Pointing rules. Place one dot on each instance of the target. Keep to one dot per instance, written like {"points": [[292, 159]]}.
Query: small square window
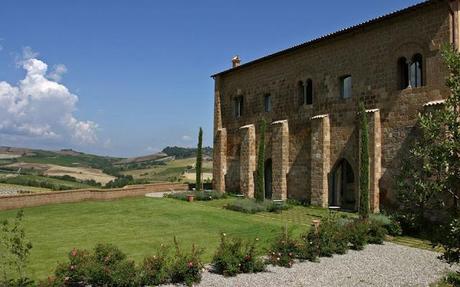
{"points": [[267, 103], [345, 87], [238, 106]]}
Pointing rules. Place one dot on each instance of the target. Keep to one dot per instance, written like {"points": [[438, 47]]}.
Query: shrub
{"points": [[154, 270], [449, 239], [199, 195], [252, 206], [391, 225], [284, 250], [106, 266], [375, 232], [330, 238], [186, 267], [357, 234], [453, 278], [233, 256], [14, 252]]}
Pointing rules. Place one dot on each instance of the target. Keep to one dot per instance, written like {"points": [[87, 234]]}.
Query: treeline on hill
{"points": [[185, 152]]}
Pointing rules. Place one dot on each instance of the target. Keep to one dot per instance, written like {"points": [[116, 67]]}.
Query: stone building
{"points": [[308, 95]]}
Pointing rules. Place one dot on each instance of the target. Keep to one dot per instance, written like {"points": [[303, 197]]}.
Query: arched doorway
{"points": [[342, 192], [268, 179]]}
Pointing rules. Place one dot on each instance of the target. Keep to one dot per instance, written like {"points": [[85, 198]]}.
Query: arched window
{"points": [[403, 72], [309, 92], [416, 71], [301, 93]]}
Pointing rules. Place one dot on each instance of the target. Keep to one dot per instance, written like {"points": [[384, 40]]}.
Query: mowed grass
{"points": [[138, 226]]}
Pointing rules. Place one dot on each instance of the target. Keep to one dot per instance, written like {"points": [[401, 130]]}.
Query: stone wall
{"points": [[370, 55], [44, 198]]}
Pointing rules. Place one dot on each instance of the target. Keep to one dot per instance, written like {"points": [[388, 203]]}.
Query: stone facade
{"points": [[394, 65]]}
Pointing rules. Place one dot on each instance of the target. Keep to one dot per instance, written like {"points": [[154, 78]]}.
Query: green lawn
{"points": [[140, 225]]}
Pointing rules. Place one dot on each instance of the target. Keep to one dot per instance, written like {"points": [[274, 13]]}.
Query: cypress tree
{"points": [[260, 181], [364, 163], [199, 160]]}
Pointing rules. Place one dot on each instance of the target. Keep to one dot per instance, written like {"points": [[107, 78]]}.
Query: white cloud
{"points": [[28, 53], [57, 72], [39, 108], [186, 138]]}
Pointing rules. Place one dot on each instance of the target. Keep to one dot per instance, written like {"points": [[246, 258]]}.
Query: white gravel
{"points": [[377, 265]]}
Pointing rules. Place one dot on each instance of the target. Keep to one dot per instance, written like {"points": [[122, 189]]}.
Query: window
{"points": [[309, 92], [416, 75], [403, 71], [267, 103], [345, 87], [238, 106], [301, 93]]}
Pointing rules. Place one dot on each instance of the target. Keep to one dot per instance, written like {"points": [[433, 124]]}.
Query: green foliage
{"points": [[124, 180], [199, 161], [14, 252], [41, 182], [252, 206], [234, 256], [330, 238], [364, 163], [430, 177], [357, 234], [376, 232], [154, 270], [198, 195], [284, 250], [186, 267], [391, 225], [184, 152], [105, 266], [260, 172], [453, 278], [449, 238]]}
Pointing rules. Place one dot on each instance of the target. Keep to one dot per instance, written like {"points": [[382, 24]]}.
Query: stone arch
{"points": [[342, 191]]}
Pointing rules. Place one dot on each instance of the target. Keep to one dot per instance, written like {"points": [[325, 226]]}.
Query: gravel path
{"points": [[377, 265]]}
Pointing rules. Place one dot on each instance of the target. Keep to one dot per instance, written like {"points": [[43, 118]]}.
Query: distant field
{"points": [[5, 187], [14, 179], [80, 173], [172, 171], [9, 156]]}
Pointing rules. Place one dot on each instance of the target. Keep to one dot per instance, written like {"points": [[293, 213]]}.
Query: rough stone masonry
{"points": [[310, 93]]}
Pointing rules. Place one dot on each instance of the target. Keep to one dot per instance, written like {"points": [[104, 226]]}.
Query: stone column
{"points": [[247, 160], [375, 162], [280, 159], [219, 160], [220, 142], [320, 160]]}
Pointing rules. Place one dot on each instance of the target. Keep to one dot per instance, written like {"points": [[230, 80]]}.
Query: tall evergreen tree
{"points": [[364, 163], [260, 173], [199, 160]]}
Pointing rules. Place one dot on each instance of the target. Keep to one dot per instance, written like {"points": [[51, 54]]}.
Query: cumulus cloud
{"points": [[186, 138], [57, 72], [39, 107]]}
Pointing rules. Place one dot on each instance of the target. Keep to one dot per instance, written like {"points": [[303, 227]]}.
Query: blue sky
{"points": [[140, 69]]}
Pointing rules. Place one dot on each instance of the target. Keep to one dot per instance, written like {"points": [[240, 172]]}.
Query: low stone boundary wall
{"points": [[43, 198]]}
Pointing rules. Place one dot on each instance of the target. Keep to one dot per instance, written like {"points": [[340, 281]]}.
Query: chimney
{"points": [[236, 61]]}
